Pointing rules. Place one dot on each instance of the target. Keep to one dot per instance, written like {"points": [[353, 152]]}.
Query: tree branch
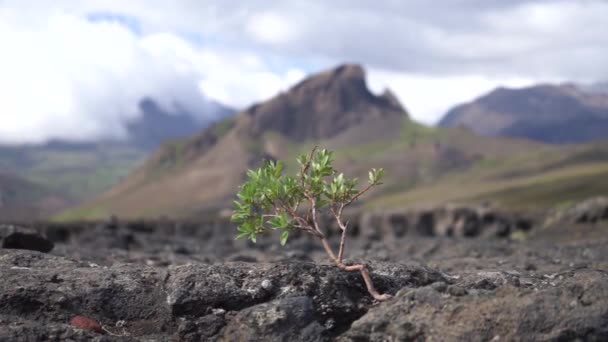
{"points": [[342, 243], [338, 217], [356, 197]]}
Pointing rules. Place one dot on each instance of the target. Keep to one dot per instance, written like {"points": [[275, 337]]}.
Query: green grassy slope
{"points": [[77, 173], [531, 179], [425, 166], [23, 200], [429, 166], [83, 175]]}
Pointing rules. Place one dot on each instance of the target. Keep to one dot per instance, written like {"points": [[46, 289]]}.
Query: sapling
{"points": [[270, 200]]}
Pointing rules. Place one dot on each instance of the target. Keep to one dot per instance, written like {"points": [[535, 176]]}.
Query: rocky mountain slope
{"points": [[335, 109], [564, 113]]}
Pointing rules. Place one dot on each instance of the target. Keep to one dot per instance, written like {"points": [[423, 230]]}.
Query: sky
{"points": [[77, 69]]}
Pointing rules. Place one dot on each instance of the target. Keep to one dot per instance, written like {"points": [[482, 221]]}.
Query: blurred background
{"points": [[149, 109]]}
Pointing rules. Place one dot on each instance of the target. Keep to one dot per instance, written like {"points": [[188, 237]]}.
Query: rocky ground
{"points": [[457, 274]]}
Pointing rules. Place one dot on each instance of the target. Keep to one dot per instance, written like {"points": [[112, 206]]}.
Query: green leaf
{"points": [[279, 222], [278, 169], [321, 203], [375, 176], [238, 217], [242, 235], [302, 159], [284, 236], [334, 188]]}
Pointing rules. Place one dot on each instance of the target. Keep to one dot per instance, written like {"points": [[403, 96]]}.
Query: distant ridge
{"points": [[157, 125], [558, 114]]}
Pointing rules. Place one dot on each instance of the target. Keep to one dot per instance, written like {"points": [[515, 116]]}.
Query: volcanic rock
{"points": [[16, 237], [50, 291], [573, 306]]}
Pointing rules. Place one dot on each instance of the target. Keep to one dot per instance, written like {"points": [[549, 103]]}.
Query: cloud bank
{"points": [[72, 78], [77, 69]]}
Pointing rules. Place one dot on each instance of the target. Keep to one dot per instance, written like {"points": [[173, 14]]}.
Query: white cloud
{"points": [[70, 78], [429, 98], [64, 76], [248, 88], [515, 38], [270, 27], [536, 39]]}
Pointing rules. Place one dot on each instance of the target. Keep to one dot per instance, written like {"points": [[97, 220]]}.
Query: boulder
{"points": [[15, 237], [289, 319], [590, 211], [494, 306]]}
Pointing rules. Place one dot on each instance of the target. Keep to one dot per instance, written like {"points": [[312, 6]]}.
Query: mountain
{"points": [[564, 113], [204, 171], [157, 125], [334, 109], [322, 106], [82, 170], [595, 88]]}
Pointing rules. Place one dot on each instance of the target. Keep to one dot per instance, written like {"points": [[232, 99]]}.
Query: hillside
{"points": [[538, 178], [564, 113], [23, 200], [203, 172], [336, 110], [84, 170], [77, 170]]}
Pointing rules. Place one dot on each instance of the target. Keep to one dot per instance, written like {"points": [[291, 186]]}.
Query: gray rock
{"points": [[191, 302], [590, 211], [200, 329], [288, 319], [510, 312], [129, 278], [16, 329], [15, 237]]}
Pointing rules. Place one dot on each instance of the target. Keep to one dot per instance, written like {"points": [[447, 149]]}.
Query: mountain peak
{"points": [[322, 105], [343, 76], [350, 72]]}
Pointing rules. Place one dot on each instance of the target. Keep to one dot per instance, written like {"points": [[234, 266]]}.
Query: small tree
{"points": [[270, 200]]}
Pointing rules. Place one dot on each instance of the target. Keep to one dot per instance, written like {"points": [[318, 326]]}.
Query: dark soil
{"points": [[500, 277]]}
